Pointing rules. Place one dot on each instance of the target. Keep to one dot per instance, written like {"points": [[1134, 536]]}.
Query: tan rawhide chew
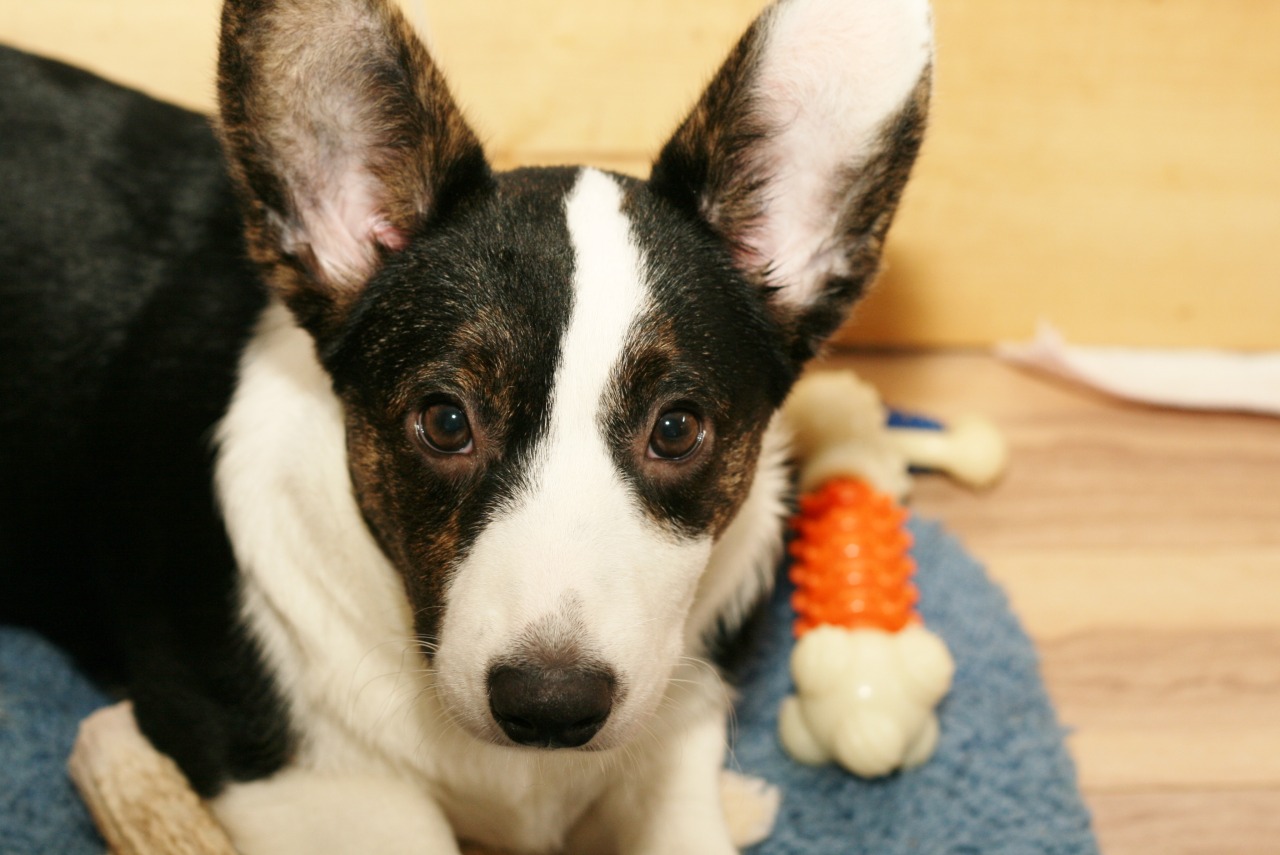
{"points": [[139, 799], [143, 805]]}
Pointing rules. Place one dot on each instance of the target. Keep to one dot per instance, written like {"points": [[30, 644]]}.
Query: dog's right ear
{"points": [[343, 138]]}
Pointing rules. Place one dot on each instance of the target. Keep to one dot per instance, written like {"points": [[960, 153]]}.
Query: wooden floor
{"points": [[1141, 549]]}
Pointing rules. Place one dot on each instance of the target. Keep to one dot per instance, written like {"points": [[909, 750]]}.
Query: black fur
{"points": [[126, 299], [736, 649], [474, 311]]}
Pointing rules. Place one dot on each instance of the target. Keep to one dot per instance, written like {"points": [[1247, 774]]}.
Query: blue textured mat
{"points": [[42, 700], [1001, 782]]}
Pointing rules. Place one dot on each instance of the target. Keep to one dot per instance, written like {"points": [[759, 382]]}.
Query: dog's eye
{"points": [[676, 435], [443, 427]]}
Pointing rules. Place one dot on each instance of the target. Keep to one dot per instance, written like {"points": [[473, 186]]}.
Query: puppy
{"points": [[408, 500]]}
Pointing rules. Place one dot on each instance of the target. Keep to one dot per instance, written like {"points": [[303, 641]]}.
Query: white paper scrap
{"points": [[1200, 379]]}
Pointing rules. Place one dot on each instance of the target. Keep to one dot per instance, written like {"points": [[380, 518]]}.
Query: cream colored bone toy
{"points": [[868, 674]]}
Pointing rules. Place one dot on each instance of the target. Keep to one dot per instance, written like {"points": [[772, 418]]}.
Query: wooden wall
{"points": [[1110, 165]]}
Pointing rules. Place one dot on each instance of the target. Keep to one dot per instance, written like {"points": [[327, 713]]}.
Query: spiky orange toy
{"points": [[852, 566]]}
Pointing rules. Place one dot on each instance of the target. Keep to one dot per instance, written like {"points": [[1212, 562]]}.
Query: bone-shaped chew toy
{"points": [[139, 799], [868, 674], [969, 449]]}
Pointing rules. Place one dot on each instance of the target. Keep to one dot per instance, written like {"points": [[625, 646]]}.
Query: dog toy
{"points": [[868, 674], [970, 448], [138, 797]]}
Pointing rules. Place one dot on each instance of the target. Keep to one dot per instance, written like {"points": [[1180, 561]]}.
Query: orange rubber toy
{"points": [[851, 563]]}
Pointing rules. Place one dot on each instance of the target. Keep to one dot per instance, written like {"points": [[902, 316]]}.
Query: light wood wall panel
{"points": [[1110, 165], [165, 47]]}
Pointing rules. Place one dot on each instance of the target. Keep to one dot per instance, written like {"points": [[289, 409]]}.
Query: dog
{"points": [[410, 501]]}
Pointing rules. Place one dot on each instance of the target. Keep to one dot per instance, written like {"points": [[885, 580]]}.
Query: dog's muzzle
{"points": [[551, 706]]}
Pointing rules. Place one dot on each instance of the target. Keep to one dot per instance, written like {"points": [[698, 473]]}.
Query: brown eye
{"points": [[676, 435], [443, 427]]}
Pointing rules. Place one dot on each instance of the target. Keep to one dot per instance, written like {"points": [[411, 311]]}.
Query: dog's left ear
{"points": [[797, 153], [343, 138]]}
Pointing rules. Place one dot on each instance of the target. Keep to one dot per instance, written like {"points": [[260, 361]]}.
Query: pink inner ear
{"points": [[389, 236], [831, 73], [342, 224]]}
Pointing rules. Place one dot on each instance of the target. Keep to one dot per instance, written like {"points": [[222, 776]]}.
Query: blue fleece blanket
{"points": [[1001, 782]]}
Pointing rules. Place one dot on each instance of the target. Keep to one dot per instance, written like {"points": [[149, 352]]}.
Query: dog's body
{"points": [[494, 457]]}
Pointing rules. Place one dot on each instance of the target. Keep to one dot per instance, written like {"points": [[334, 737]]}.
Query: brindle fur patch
{"points": [[709, 166], [315, 97]]}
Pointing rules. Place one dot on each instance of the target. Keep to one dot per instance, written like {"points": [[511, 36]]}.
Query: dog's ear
{"points": [[797, 153], [343, 138]]}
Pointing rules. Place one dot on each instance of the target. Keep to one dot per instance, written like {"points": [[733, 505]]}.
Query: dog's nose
{"points": [[550, 707]]}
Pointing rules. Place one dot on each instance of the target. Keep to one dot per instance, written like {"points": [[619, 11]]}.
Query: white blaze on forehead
{"points": [[574, 468], [577, 514], [608, 294]]}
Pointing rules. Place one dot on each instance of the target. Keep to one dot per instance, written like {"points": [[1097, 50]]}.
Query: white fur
{"points": [[301, 811], [832, 72], [334, 624], [578, 539]]}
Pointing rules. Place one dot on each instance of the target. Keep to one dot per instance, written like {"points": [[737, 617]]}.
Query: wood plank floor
{"points": [[1141, 548]]}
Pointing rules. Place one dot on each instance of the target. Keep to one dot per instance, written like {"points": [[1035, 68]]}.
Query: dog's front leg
{"points": [[301, 812], [670, 804]]}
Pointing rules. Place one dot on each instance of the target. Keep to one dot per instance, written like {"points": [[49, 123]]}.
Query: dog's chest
{"points": [[523, 801], [514, 799]]}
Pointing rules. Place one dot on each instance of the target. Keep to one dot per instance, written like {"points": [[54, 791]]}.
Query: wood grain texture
{"points": [[1141, 549], [1106, 164], [1176, 708], [1213, 822]]}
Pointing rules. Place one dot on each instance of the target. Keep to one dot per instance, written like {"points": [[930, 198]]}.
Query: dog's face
{"points": [[556, 381], [555, 400]]}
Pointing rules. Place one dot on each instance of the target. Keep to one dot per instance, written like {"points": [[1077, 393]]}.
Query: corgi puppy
{"points": [[409, 500]]}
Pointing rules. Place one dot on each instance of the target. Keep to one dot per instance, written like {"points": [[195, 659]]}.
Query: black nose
{"points": [[550, 707]]}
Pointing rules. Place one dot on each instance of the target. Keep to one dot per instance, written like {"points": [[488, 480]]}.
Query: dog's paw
{"points": [[750, 807], [302, 813]]}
